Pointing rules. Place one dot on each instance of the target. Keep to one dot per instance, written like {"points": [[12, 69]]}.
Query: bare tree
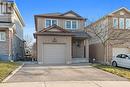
{"points": [[29, 42], [106, 34]]}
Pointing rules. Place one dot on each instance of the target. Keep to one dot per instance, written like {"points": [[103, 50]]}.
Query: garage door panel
{"points": [[54, 53], [117, 51]]}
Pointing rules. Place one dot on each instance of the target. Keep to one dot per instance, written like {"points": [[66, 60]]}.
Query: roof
{"points": [[122, 8], [57, 32], [80, 33], [51, 14], [56, 27], [110, 14], [72, 12], [62, 32], [62, 15]]}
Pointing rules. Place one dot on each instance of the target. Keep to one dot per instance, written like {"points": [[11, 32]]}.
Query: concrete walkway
{"points": [[69, 84]]}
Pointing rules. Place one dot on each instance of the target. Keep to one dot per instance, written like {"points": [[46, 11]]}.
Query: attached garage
{"points": [[54, 53], [117, 51]]}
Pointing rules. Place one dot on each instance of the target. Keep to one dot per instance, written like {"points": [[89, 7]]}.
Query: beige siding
{"points": [[96, 51]]}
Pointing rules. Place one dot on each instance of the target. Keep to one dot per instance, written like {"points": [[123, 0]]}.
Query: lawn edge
{"points": [[110, 72], [13, 73]]}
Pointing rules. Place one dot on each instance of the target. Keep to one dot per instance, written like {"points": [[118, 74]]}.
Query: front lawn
{"points": [[115, 70], [6, 68]]}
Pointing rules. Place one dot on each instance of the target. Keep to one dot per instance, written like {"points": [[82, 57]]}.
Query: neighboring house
{"points": [[119, 22], [60, 38], [11, 31]]}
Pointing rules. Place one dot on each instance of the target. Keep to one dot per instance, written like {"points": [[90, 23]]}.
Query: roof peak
{"points": [[72, 12], [121, 8]]}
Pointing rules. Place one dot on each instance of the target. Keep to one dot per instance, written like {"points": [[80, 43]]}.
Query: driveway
{"points": [[81, 72]]}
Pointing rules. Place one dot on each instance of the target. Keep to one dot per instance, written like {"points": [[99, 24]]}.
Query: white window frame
{"points": [[126, 23], [71, 24], [120, 23], [4, 8], [4, 35], [66, 24], [115, 27], [51, 21]]}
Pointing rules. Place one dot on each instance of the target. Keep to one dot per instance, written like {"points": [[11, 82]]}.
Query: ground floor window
{"points": [[2, 36]]}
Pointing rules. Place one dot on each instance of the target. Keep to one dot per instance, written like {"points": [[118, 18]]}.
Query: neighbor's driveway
{"points": [[38, 73]]}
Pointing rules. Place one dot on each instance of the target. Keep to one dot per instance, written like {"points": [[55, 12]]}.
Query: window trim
{"points": [[123, 23], [115, 27], [51, 21], [5, 36], [71, 21], [126, 23]]}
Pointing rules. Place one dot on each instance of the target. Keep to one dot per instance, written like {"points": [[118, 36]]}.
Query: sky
{"points": [[90, 9]]}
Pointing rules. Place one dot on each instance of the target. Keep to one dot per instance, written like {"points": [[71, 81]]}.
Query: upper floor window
{"points": [[2, 36], [127, 23], [115, 23], [68, 24], [50, 22], [3, 8], [71, 24], [121, 23]]}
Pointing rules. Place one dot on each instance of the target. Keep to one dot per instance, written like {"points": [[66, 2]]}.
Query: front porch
{"points": [[80, 49]]}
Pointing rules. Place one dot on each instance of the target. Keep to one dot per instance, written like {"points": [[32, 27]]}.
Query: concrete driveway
{"points": [[81, 72]]}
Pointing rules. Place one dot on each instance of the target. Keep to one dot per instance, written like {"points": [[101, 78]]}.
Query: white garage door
{"points": [[117, 51], [54, 53]]}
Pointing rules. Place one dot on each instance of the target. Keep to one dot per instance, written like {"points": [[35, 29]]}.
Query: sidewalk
{"points": [[69, 84]]}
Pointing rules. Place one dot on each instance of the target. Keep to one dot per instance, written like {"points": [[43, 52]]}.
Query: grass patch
{"points": [[114, 70], [6, 68]]}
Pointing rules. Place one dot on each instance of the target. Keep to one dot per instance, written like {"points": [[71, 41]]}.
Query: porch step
{"points": [[80, 60]]}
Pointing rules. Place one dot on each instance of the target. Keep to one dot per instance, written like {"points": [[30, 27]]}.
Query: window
{"points": [[68, 24], [2, 36], [118, 56], [115, 23], [71, 24], [121, 20], [127, 23], [124, 56], [50, 22], [3, 8], [74, 24], [54, 22]]}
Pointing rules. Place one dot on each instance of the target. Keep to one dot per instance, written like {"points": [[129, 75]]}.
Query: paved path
{"points": [[69, 84]]}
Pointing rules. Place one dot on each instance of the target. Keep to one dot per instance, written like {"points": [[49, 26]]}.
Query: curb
{"points": [[12, 73]]}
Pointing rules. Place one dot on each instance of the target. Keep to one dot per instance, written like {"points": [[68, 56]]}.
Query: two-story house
{"points": [[11, 31], [117, 26], [60, 38]]}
